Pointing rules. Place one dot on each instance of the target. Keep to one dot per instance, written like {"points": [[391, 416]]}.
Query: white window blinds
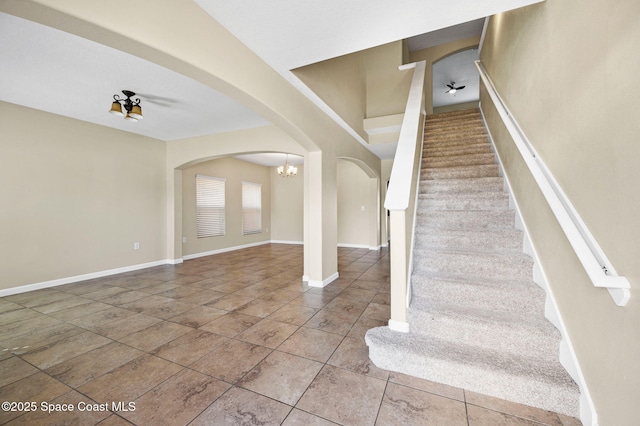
{"points": [[251, 208], [209, 206]]}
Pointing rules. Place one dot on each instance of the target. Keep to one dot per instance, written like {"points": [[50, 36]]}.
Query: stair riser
{"points": [[511, 297], [453, 115], [470, 242], [465, 219], [508, 338], [478, 159], [454, 130], [454, 141], [443, 152], [461, 264], [490, 185], [488, 170], [458, 203]]}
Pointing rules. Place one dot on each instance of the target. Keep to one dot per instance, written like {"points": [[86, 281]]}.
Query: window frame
{"points": [[210, 223]]}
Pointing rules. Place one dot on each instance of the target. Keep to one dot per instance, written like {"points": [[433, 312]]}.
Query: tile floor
{"points": [[234, 338]]}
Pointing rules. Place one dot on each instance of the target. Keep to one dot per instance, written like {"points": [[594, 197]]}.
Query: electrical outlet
{"points": [[136, 246], [184, 240]]}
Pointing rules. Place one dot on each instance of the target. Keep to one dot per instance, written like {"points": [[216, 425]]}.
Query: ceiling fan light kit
{"points": [[131, 106], [453, 89]]}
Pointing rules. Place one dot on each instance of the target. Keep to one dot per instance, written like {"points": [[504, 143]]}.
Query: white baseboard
{"points": [[224, 250], [286, 242], [78, 278], [347, 245], [400, 326], [323, 283]]}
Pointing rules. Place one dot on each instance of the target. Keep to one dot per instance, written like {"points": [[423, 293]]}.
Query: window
{"points": [[209, 206], [251, 208]]}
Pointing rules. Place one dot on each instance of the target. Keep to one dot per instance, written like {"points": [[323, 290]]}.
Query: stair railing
{"points": [[593, 259], [402, 195]]}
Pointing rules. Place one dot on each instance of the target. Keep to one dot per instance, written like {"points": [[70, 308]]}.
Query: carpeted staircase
{"points": [[476, 317]]}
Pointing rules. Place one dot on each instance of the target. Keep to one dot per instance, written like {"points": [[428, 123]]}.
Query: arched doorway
{"points": [[455, 81]]}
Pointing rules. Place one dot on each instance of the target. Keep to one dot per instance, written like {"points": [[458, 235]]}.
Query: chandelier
{"points": [[132, 107], [287, 170]]}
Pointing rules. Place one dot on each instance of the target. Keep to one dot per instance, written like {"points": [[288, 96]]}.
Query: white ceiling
{"points": [[446, 35], [50, 70], [54, 71], [458, 68], [289, 34]]}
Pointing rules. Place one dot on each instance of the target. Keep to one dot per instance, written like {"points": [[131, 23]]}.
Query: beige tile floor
{"points": [[234, 338]]}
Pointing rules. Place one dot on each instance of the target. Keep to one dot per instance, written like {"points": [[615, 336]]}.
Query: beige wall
{"points": [[287, 207], [76, 197], [455, 107], [434, 54], [564, 69], [340, 83], [387, 87], [235, 172], [353, 196], [205, 51]]}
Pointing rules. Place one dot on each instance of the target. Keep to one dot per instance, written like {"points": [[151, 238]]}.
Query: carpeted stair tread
{"points": [[476, 317], [518, 378]]}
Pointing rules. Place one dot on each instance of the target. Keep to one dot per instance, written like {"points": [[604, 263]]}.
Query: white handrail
{"points": [[398, 194], [401, 197], [593, 259]]}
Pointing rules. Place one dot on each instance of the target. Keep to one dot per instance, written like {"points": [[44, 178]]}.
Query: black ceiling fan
{"points": [[452, 87]]}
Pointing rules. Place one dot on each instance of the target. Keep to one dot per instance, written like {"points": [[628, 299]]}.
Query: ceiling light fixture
{"points": [[287, 170], [453, 89], [132, 107]]}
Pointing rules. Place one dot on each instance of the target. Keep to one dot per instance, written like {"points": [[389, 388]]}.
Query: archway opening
{"points": [[455, 81]]}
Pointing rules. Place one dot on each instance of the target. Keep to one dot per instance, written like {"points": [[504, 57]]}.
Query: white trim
{"points": [[305, 278], [286, 242], [323, 283], [78, 278], [399, 189], [566, 354], [224, 250], [402, 327], [484, 32], [347, 245]]}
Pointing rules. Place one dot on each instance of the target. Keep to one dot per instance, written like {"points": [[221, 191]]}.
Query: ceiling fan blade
{"points": [[448, 91], [460, 88], [450, 86]]}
